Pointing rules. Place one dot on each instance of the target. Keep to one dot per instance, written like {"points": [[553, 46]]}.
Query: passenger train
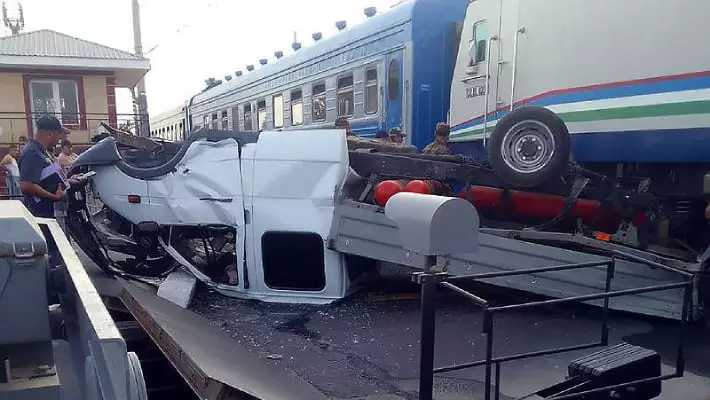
{"points": [[169, 125], [392, 70]]}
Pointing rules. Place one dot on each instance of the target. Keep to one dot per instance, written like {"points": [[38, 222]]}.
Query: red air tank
{"points": [[386, 189], [419, 186], [536, 205]]}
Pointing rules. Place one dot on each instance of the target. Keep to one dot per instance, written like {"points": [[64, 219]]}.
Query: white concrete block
{"points": [[178, 288]]}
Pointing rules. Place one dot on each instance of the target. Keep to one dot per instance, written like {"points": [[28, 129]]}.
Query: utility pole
{"points": [[15, 25], [142, 123]]}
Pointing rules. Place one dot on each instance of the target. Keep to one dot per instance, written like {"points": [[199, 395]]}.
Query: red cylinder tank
{"points": [[419, 186], [536, 205], [386, 189]]}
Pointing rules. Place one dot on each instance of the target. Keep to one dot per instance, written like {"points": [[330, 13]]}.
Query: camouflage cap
{"points": [[397, 131]]}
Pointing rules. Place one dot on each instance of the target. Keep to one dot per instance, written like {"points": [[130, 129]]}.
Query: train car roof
{"points": [[399, 14], [169, 113]]}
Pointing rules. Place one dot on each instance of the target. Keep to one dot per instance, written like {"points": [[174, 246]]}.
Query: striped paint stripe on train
{"points": [[642, 101]]}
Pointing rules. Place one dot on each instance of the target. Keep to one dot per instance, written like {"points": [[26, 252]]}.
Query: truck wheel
{"points": [[529, 146]]}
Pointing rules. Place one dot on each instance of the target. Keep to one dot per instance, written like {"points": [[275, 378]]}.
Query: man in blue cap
{"points": [[382, 136], [41, 180]]}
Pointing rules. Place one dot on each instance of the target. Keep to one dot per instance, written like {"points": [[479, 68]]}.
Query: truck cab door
{"points": [[475, 86], [205, 189]]}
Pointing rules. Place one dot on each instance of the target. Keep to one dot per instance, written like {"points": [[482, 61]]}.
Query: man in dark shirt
{"points": [[39, 182]]}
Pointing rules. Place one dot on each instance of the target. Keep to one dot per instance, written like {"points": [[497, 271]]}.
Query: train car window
{"points": [[225, 120], [478, 44], [318, 111], [296, 108], [261, 114], [247, 117], [278, 103], [371, 96], [393, 80], [346, 96]]}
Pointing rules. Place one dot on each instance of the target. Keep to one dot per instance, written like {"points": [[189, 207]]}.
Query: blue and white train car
{"points": [[169, 125], [393, 70]]}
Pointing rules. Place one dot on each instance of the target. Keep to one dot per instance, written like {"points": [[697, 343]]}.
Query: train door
{"points": [[393, 89]]}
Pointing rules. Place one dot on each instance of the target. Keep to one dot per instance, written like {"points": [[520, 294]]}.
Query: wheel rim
{"points": [[528, 147]]}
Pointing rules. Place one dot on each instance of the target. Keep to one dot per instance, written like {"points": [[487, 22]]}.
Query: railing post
{"points": [[428, 281], [610, 271], [488, 330], [685, 316]]}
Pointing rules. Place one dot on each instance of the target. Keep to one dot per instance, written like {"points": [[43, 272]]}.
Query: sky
{"points": [[188, 41]]}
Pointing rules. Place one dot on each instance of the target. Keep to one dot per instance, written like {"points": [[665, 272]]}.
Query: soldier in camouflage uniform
{"points": [[397, 136], [439, 146]]}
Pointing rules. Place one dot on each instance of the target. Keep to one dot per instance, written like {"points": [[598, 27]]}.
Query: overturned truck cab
{"points": [[299, 217], [247, 214]]}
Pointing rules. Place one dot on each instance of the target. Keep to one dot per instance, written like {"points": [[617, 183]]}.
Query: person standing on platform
{"points": [[22, 140], [9, 162], [41, 181], [67, 157]]}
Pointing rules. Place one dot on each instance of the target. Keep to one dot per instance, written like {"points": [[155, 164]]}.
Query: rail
{"points": [[430, 280]]}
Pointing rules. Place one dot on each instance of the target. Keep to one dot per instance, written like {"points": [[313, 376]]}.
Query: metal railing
{"points": [[14, 128], [430, 280], [15, 124]]}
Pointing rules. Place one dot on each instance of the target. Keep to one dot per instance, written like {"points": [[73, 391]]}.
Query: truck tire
{"points": [[529, 147]]}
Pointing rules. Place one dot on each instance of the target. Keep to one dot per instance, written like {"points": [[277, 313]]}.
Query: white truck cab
{"points": [[630, 80]]}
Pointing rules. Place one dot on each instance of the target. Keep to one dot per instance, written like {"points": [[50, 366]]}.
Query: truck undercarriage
{"points": [[580, 216]]}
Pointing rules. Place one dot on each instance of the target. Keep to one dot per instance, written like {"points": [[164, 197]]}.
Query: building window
{"points": [[371, 95], [247, 117], [318, 111], [296, 108], [278, 103], [393, 81], [346, 96], [261, 114], [57, 97], [479, 42], [207, 121], [213, 125], [225, 120]]}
